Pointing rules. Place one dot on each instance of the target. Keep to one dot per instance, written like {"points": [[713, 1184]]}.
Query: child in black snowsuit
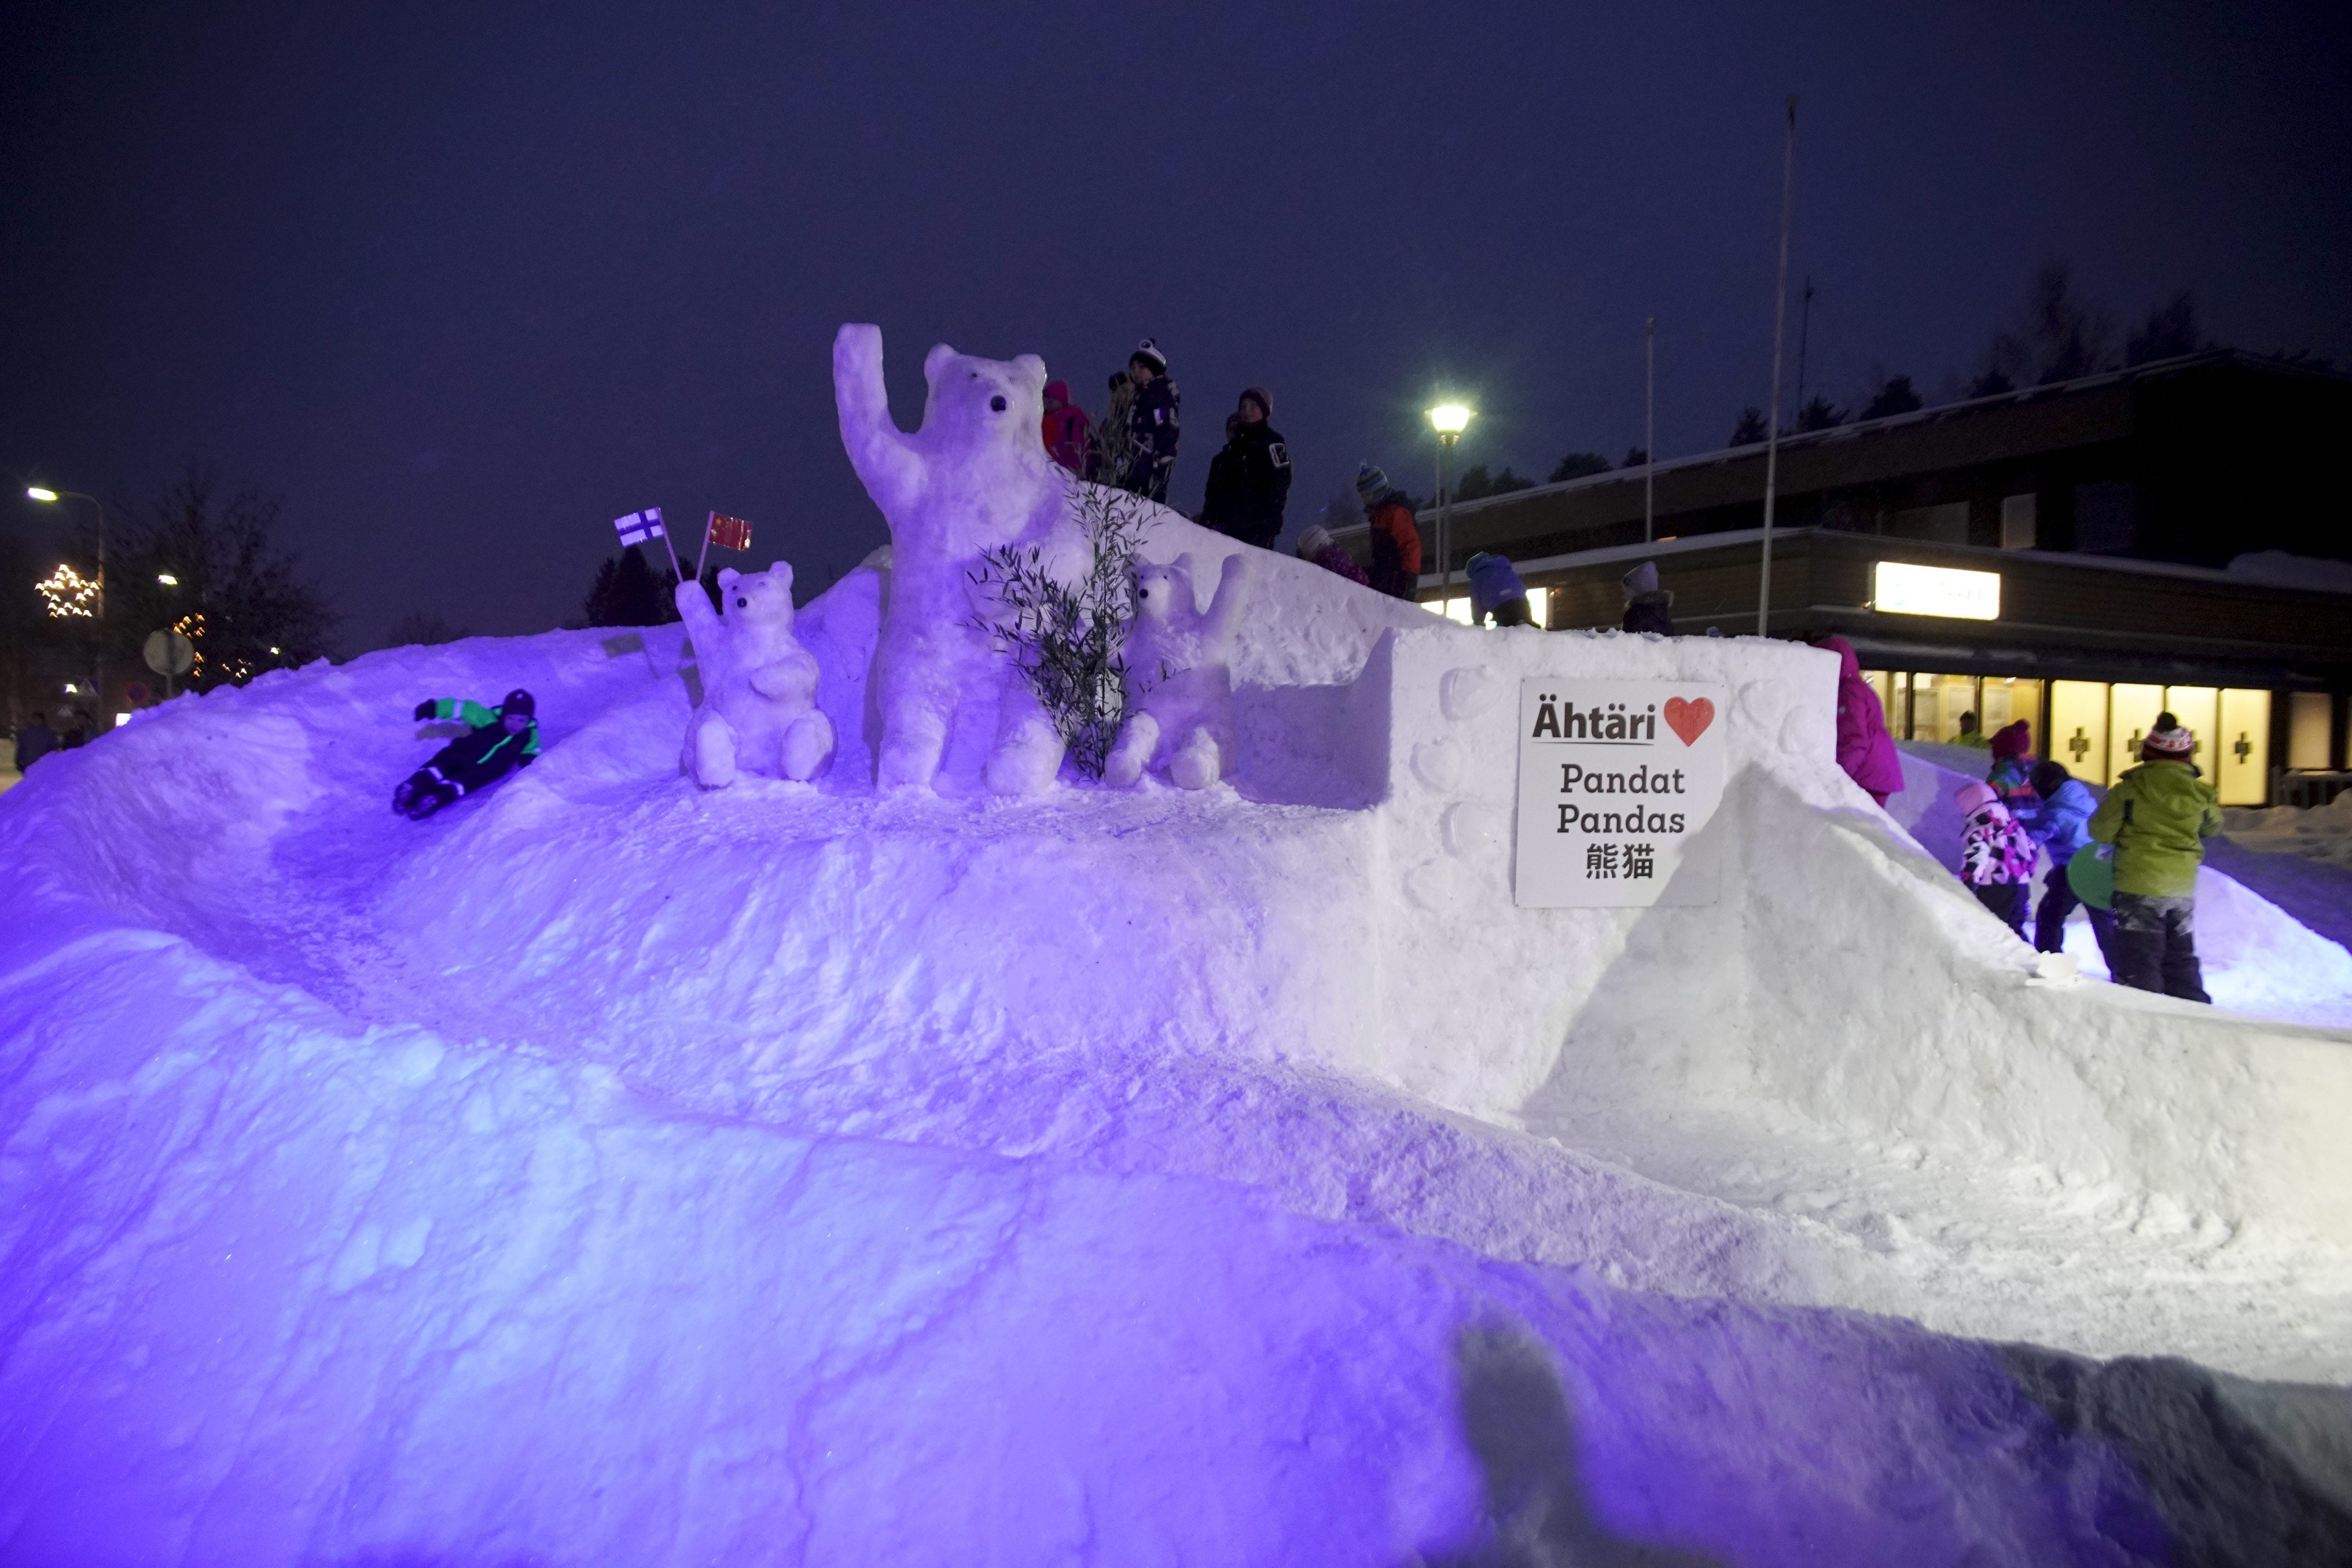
{"points": [[502, 739]]}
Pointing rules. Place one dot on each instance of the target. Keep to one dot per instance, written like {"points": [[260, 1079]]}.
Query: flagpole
{"points": [[1650, 432], [1780, 332], [703, 556], [675, 568]]}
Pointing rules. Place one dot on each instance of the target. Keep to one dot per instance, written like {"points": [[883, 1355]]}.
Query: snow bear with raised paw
{"points": [[759, 712], [975, 477], [1180, 680]]}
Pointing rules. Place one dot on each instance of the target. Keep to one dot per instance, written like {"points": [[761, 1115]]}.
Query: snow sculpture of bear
{"points": [[1180, 682], [759, 710], [975, 477]]}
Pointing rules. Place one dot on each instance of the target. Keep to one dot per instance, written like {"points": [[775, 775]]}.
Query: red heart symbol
{"points": [[1690, 719]]}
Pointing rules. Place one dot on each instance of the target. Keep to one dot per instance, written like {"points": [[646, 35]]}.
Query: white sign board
{"points": [[1899, 588], [1618, 782]]}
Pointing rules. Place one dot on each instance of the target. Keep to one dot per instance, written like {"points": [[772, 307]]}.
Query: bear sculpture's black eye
{"points": [[997, 403]]}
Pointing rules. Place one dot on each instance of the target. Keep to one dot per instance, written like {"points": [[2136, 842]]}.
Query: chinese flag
{"points": [[729, 533]]}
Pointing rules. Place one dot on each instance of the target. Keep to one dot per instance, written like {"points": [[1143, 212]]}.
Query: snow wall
{"points": [[609, 1173], [1365, 923]]}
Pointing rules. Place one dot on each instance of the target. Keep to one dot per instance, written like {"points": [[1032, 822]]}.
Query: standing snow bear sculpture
{"points": [[759, 712], [975, 478], [1180, 680]]}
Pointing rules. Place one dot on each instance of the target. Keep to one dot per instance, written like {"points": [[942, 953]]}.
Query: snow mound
{"points": [[608, 1171]]}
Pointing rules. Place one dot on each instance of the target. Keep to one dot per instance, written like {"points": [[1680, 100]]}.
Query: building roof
{"points": [[1940, 414]]}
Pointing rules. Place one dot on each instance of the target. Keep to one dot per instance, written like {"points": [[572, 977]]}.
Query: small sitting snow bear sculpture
{"points": [[1180, 682], [759, 710], [975, 477]]}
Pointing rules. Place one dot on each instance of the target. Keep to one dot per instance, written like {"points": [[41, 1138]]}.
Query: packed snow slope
{"points": [[609, 1172]]}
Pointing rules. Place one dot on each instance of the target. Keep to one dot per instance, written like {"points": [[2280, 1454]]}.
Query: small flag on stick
{"points": [[640, 526], [729, 533]]}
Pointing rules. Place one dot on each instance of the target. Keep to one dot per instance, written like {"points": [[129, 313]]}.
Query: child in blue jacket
{"points": [[2060, 820]]}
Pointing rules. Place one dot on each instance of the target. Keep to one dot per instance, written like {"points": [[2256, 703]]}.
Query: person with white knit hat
{"points": [[1151, 423], [2158, 815]]}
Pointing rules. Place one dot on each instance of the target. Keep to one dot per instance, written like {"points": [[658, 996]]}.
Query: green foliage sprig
{"points": [[1069, 638]]}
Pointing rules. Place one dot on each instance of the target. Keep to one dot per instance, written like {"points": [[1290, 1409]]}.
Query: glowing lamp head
{"points": [[38, 492], [167, 579], [1450, 419]]}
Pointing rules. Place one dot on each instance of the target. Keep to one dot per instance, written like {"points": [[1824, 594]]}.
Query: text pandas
{"points": [[1640, 819]]}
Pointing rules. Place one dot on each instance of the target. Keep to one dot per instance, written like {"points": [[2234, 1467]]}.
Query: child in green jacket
{"points": [[496, 742], [2158, 816]]}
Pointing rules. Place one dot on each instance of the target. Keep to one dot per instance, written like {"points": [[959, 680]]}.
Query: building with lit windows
{"points": [[2081, 555]]}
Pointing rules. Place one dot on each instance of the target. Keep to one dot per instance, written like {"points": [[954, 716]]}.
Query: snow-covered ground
{"points": [[2322, 833], [606, 1171]]}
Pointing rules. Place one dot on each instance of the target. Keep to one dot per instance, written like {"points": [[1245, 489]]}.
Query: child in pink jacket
{"points": [[1997, 855]]}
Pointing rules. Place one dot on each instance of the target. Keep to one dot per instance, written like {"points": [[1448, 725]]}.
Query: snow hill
{"points": [[606, 1171]]}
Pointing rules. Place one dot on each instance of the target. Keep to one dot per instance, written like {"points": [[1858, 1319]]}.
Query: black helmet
{"points": [[517, 701]]}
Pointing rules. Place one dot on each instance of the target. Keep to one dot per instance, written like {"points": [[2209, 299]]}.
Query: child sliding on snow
{"points": [[1996, 855], [502, 740]]}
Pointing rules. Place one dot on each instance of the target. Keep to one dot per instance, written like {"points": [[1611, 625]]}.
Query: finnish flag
{"points": [[640, 526]]}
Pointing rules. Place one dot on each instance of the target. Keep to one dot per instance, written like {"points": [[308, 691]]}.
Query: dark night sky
{"points": [[463, 283]]}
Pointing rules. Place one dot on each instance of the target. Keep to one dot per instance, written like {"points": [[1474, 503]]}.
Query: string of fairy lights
{"points": [[69, 594]]}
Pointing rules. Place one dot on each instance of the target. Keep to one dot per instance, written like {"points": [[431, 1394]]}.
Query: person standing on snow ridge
{"points": [[1648, 608], [2060, 820], [34, 741], [2011, 776], [1067, 430], [1108, 458], [1249, 481], [1396, 540], [1864, 750], [1152, 425], [1318, 545], [2158, 815], [1495, 590], [1996, 855], [502, 740]]}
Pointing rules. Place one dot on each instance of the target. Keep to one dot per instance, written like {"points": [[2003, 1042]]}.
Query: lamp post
{"points": [[1449, 420], [48, 497]]}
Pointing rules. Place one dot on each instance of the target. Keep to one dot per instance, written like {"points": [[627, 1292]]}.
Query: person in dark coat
{"points": [[1068, 432], [1396, 538], [1249, 481], [34, 741], [1648, 608], [1864, 750], [499, 740], [1318, 545], [1152, 420]]}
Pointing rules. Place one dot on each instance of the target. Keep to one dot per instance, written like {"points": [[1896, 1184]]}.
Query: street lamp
{"points": [[48, 497], [1449, 420], [167, 579]]}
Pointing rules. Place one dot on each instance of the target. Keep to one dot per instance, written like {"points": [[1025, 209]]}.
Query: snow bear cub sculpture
{"points": [[1179, 682], [975, 477], [759, 712]]}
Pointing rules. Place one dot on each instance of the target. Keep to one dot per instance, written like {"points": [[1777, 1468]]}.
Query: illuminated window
{"points": [[2242, 752], [2078, 728]]}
